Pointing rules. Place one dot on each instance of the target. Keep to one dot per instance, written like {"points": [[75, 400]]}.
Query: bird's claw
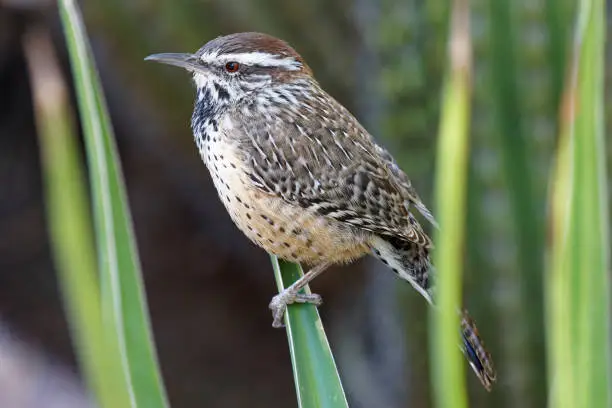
{"points": [[279, 303]]}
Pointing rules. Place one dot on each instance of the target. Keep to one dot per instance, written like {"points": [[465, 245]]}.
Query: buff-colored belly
{"points": [[285, 230], [296, 234]]}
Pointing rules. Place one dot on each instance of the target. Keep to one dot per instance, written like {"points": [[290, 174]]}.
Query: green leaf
{"points": [[578, 298], [70, 226], [525, 203], [317, 382], [123, 300], [448, 374]]}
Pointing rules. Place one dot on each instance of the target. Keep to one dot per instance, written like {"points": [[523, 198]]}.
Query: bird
{"points": [[301, 177]]}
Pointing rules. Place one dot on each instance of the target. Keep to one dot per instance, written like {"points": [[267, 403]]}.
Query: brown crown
{"points": [[253, 42]]}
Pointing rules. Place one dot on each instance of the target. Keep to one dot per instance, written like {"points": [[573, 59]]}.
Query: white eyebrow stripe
{"points": [[254, 58]]}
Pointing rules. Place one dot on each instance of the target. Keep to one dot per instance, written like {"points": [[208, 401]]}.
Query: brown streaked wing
{"points": [[324, 160]]}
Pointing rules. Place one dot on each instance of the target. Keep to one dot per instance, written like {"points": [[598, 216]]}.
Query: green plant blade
{"points": [[590, 211], [558, 18], [70, 226], [317, 382], [558, 280], [527, 222], [448, 376], [123, 300], [578, 303]]}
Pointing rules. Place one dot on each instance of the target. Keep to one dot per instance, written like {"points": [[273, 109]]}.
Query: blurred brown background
{"points": [[208, 287]]}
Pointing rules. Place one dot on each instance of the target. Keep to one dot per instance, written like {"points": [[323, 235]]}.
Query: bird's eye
{"points": [[232, 66]]}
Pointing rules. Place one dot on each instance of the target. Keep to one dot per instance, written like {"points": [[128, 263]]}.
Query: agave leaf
{"points": [[317, 382], [122, 293]]}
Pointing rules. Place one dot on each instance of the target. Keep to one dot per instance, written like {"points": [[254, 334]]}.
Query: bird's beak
{"points": [[187, 61]]}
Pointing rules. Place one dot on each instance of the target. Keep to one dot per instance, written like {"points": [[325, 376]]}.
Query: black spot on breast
{"points": [[249, 217], [204, 109], [265, 218], [287, 245], [223, 95]]}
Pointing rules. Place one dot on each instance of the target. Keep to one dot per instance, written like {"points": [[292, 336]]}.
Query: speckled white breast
{"points": [[288, 231]]}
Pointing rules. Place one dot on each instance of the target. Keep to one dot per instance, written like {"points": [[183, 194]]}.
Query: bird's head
{"points": [[236, 67]]}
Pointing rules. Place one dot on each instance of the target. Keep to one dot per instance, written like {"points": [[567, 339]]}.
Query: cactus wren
{"points": [[300, 176]]}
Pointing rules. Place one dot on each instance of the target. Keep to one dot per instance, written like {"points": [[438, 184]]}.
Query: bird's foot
{"points": [[279, 303]]}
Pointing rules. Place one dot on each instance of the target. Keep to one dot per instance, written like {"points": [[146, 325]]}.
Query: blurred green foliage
{"points": [[578, 281], [69, 221], [521, 49], [448, 379], [119, 318]]}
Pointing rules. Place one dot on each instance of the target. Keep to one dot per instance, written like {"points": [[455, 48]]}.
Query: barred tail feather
{"points": [[474, 350], [411, 262]]}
